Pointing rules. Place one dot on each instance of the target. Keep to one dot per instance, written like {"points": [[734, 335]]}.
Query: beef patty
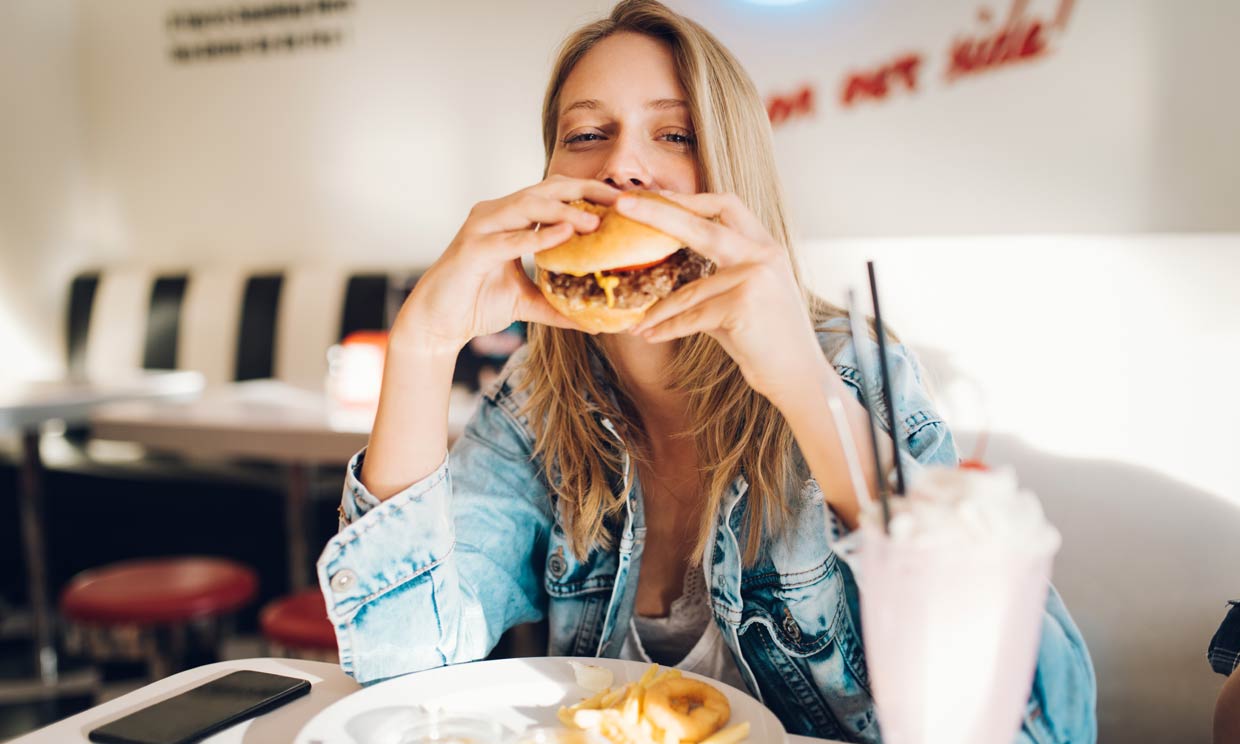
{"points": [[637, 287]]}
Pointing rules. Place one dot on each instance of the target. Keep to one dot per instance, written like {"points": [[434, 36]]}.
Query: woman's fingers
{"points": [[527, 210], [505, 246], [543, 203], [691, 294], [729, 208], [709, 316], [565, 189], [532, 307], [723, 245], [525, 242], [538, 310]]}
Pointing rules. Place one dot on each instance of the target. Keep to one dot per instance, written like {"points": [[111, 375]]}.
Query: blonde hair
{"points": [[735, 430]]}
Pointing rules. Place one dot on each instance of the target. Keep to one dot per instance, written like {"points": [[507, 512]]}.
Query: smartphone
{"points": [[196, 714]]}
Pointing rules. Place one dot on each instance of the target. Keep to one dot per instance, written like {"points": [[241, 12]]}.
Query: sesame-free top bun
{"points": [[618, 241]]}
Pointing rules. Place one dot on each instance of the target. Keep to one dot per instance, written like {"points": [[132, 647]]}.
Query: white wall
{"points": [[41, 180], [376, 148], [1127, 125], [380, 145], [1106, 347]]}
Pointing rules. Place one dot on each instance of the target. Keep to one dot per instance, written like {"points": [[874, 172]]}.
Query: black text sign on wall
{"points": [[230, 30]]}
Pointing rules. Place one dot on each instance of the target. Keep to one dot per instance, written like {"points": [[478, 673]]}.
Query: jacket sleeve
{"points": [[924, 438], [435, 574], [1064, 701]]}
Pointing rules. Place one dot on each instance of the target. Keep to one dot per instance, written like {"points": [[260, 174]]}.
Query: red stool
{"points": [[297, 626], [155, 609]]}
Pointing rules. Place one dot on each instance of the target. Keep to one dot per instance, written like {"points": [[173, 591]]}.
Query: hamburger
{"points": [[605, 280]]}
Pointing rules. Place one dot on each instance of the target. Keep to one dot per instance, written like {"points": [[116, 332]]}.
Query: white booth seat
{"points": [[210, 315], [118, 322], [309, 322], [1146, 568]]}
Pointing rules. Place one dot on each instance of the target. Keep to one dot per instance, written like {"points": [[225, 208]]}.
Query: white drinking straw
{"points": [[856, 322], [851, 456]]}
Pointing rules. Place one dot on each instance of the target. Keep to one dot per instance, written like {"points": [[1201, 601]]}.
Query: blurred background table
{"points": [[24, 408], [265, 420]]}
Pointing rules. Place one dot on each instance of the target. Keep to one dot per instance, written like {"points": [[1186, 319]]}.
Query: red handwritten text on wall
{"points": [[875, 84], [1022, 36], [781, 108]]}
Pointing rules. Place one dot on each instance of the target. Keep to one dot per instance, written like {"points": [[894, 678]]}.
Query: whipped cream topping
{"points": [[952, 505]]}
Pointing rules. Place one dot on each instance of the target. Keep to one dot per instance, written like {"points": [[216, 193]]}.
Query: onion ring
{"points": [[686, 708]]}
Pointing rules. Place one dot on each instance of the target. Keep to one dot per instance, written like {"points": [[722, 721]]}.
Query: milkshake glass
{"points": [[952, 600]]}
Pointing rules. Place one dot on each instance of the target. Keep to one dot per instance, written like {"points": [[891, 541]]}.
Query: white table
{"points": [[328, 684], [24, 408], [26, 405], [259, 419]]}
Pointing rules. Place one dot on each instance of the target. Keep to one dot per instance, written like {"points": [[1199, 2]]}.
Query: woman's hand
{"points": [[751, 305], [754, 309], [478, 285]]}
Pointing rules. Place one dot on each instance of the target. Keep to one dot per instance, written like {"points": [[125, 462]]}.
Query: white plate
{"points": [[516, 692]]}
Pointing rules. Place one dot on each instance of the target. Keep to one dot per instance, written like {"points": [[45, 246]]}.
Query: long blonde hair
{"points": [[736, 431]]}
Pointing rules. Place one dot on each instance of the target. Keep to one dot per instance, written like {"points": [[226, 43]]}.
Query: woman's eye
{"points": [[679, 139], [583, 137]]}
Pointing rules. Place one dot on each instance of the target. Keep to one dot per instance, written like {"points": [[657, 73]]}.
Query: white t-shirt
{"points": [[687, 639]]}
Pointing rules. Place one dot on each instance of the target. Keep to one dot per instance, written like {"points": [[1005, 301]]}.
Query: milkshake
{"points": [[952, 598]]}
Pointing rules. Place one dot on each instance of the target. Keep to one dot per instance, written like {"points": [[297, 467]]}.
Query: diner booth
{"points": [[211, 213]]}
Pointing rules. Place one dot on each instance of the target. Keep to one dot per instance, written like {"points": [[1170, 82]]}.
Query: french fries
{"points": [[618, 715]]}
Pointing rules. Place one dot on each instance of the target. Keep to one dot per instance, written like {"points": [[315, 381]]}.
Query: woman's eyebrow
{"points": [[659, 104], [662, 104], [589, 104]]}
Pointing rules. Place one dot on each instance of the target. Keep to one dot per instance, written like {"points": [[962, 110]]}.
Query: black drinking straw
{"points": [[856, 324], [886, 379]]}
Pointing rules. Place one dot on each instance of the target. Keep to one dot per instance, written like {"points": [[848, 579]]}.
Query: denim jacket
{"points": [[435, 574]]}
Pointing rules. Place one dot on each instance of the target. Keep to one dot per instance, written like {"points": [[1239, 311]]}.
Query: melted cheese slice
{"points": [[608, 283]]}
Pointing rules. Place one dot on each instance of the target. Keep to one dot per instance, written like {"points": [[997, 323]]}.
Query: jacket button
{"points": [[790, 626], [342, 581], [557, 566]]}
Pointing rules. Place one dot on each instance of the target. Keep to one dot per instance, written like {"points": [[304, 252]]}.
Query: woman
{"points": [[666, 493]]}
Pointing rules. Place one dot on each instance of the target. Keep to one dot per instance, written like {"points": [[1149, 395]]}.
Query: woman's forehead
{"points": [[625, 70]]}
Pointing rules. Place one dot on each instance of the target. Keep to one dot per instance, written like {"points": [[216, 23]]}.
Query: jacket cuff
{"points": [[356, 500], [415, 527]]}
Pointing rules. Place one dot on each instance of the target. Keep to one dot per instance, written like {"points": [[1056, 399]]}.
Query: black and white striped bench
{"points": [[229, 324]]}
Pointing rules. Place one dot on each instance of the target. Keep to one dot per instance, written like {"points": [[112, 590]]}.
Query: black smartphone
{"points": [[196, 714]]}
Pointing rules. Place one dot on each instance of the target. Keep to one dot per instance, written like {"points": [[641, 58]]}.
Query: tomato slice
{"points": [[638, 267]]}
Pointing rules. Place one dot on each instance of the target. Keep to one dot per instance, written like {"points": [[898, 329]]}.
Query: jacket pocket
{"points": [[798, 635], [566, 576], [578, 593]]}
